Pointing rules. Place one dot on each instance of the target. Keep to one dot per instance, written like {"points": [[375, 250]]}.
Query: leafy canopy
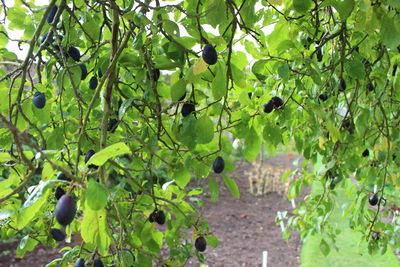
{"points": [[115, 76]]}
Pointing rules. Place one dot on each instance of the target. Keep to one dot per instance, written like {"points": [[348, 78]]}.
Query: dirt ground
{"points": [[245, 227]]}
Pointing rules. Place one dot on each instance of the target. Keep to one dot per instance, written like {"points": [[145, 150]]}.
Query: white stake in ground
{"points": [[265, 258]]}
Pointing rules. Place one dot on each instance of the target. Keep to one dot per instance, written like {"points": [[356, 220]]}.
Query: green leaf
{"points": [[107, 153], [56, 139], [212, 240], [34, 203], [188, 131], [4, 156], [94, 229], [284, 71], [343, 7], [252, 145], [124, 107], [355, 68], [213, 187], [27, 244], [178, 89], [302, 6], [219, 82], [390, 34], [324, 247], [272, 134], [334, 132], [239, 78], [214, 12], [171, 27], [231, 185], [90, 26], [259, 69], [205, 130], [182, 177], [96, 195], [76, 74]]}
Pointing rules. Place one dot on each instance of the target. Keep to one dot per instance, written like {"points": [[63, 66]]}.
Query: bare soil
{"points": [[245, 228]]}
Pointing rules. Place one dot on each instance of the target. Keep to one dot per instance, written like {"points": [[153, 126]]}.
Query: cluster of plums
{"points": [[39, 99], [274, 103], [157, 216]]}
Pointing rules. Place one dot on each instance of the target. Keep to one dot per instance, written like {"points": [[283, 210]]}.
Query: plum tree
{"points": [[57, 234], [288, 56], [209, 55], [65, 210], [200, 244], [39, 100], [218, 165]]}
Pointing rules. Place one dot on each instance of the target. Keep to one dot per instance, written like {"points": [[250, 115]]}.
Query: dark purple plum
{"points": [[65, 210]]}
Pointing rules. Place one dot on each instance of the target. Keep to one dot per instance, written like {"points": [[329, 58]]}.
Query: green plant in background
{"points": [[131, 100]]}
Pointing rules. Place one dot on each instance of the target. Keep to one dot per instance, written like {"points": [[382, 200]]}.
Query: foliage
{"points": [[350, 247], [142, 64]]}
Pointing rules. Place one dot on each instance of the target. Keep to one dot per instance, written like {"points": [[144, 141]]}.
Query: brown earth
{"points": [[245, 228]]}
